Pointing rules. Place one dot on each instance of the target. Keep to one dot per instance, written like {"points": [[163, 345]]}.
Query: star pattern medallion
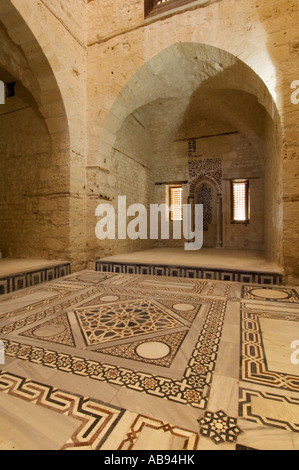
{"points": [[219, 427], [123, 320]]}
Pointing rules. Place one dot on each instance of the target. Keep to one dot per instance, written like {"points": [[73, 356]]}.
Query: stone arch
{"points": [[201, 61], [175, 76], [44, 201], [206, 181], [34, 64], [158, 79]]}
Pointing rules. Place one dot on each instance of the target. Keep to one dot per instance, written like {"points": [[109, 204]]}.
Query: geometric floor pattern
{"points": [[57, 330], [219, 427], [264, 365], [130, 362], [284, 410], [273, 294], [94, 418], [166, 348], [123, 320], [190, 388]]}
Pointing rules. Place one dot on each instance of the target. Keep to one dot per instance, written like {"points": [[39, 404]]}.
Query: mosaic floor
{"points": [[208, 263], [17, 274], [139, 362]]}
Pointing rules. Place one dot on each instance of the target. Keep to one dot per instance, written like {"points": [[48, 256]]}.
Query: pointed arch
{"points": [[36, 191], [178, 75]]}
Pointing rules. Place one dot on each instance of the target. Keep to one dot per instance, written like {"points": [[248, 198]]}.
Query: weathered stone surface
{"points": [[111, 100]]}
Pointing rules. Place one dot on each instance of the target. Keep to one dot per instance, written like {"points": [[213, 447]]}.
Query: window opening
{"points": [[176, 202], [240, 201]]}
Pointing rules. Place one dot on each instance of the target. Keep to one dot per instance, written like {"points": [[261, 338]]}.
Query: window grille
{"points": [[176, 202], [240, 201]]}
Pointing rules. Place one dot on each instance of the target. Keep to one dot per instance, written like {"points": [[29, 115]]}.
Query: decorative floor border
{"points": [[96, 419], [247, 409], [190, 272], [141, 422], [40, 315], [192, 389], [288, 295], [254, 366], [22, 280]]}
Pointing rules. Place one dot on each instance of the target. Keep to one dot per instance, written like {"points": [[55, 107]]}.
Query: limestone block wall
{"points": [[33, 224], [130, 175], [110, 18], [72, 14], [127, 53], [273, 192], [238, 159], [46, 52], [89, 65]]}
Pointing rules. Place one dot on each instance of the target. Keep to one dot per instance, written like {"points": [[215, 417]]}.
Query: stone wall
{"points": [[237, 159], [130, 174], [90, 65], [45, 51], [128, 54], [33, 221]]}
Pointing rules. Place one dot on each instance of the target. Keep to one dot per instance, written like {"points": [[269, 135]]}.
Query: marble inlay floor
{"points": [[129, 362]]}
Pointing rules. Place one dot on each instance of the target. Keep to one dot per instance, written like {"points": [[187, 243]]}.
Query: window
{"points": [[176, 202], [155, 7], [240, 201]]}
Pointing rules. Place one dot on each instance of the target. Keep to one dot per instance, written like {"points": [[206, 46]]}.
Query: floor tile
{"points": [[150, 357]]}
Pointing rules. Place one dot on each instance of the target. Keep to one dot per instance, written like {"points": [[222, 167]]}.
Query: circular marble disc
{"points": [[49, 330], [153, 350], [184, 307], [109, 298], [270, 293]]}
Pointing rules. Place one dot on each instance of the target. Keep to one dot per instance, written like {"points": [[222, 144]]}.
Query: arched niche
{"points": [[174, 87], [206, 191], [35, 147]]}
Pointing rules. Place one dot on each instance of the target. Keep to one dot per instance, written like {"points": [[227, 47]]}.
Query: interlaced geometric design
{"points": [[123, 320], [219, 427]]}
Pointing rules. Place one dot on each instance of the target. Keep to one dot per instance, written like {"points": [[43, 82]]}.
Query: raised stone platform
{"points": [[18, 274], [213, 264]]}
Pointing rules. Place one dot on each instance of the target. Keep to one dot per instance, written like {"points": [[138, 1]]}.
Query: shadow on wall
{"points": [[34, 161], [181, 93], [284, 171]]}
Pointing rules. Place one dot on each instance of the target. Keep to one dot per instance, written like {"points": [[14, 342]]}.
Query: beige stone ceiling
{"points": [[190, 92]]}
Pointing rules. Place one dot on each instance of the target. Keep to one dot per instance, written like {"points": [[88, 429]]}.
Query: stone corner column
{"points": [[219, 241]]}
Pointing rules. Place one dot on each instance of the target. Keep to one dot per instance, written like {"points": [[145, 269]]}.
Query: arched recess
{"points": [[207, 192], [34, 148], [226, 97]]}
